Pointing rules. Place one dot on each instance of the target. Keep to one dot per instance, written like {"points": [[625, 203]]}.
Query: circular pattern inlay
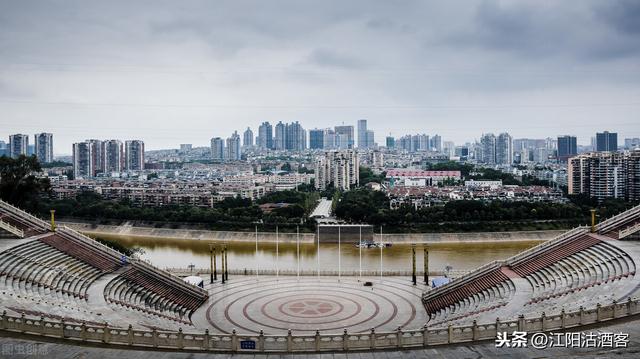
{"points": [[310, 304]]}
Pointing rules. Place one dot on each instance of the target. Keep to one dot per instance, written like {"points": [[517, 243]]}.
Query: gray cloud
{"points": [[173, 72]]}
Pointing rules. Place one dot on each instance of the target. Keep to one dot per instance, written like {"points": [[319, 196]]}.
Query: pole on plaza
{"points": [[277, 254], [339, 255], [256, 256], [222, 262], [593, 221], [215, 271], [298, 248], [360, 265], [381, 245], [413, 264], [426, 265], [318, 250], [226, 263], [211, 262]]}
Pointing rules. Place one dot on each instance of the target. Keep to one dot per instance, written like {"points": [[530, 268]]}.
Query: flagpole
{"points": [[298, 248], [277, 255], [360, 253], [381, 245], [318, 250], [256, 256], [339, 256]]}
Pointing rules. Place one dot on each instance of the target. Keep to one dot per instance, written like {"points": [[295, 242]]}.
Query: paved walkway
{"points": [[311, 303]]}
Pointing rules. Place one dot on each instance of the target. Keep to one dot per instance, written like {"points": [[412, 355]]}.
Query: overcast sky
{"points": [[171, 72]]}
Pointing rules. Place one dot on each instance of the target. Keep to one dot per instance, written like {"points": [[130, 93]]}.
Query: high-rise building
{"points": [[436, 143], [18, 145], [247, 138], [606, 141], [567, 147], [330, 139], [279, 136], [363, 142], [3, 148], [488, 148], [504, 149], [449, 148], [233, 147], [631, 143], [113, 156], [44, 147], [345, 137], [96, 155], [265, 136], [338, 168], [390, 142], [371, 141], [608, 174], [316, 139], [185, 147], [217, 149], [82, 160], [295, 138], [134, 155]]}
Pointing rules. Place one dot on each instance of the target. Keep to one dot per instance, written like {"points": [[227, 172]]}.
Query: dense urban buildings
{"points": [[604, 175], [96, 157], [341, 169]]}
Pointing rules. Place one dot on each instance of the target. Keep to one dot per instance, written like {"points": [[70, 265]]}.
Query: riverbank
{"points": [[231, 236]]}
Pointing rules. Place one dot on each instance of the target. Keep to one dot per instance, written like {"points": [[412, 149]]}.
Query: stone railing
{"points": [[11, 229], [182, 272], [33, 220], [611, 222], [318, 342]]}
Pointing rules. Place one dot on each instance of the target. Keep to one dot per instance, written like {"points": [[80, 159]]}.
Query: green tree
{"points": [[19, 184]]}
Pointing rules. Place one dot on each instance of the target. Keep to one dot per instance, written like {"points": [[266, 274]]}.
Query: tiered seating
{"points": [[547, 257], [37, 269], [599, 264], [142, 291], [82, 251], [484, 301], [487, 291]]}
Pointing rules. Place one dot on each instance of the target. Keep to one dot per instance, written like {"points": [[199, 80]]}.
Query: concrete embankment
{"points": [[222, 236]]}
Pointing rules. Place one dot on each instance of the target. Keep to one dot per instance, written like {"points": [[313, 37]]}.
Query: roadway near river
{"points": [[180, 253]]}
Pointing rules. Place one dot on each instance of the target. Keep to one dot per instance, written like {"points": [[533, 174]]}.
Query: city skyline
{"points": [[170, 73], [380, 138]]}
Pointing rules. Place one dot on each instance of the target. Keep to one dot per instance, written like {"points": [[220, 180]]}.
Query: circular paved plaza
{"points": [[311, 303]]}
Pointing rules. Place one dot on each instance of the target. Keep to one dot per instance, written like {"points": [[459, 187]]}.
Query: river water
{"points": [[174, 253]]}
